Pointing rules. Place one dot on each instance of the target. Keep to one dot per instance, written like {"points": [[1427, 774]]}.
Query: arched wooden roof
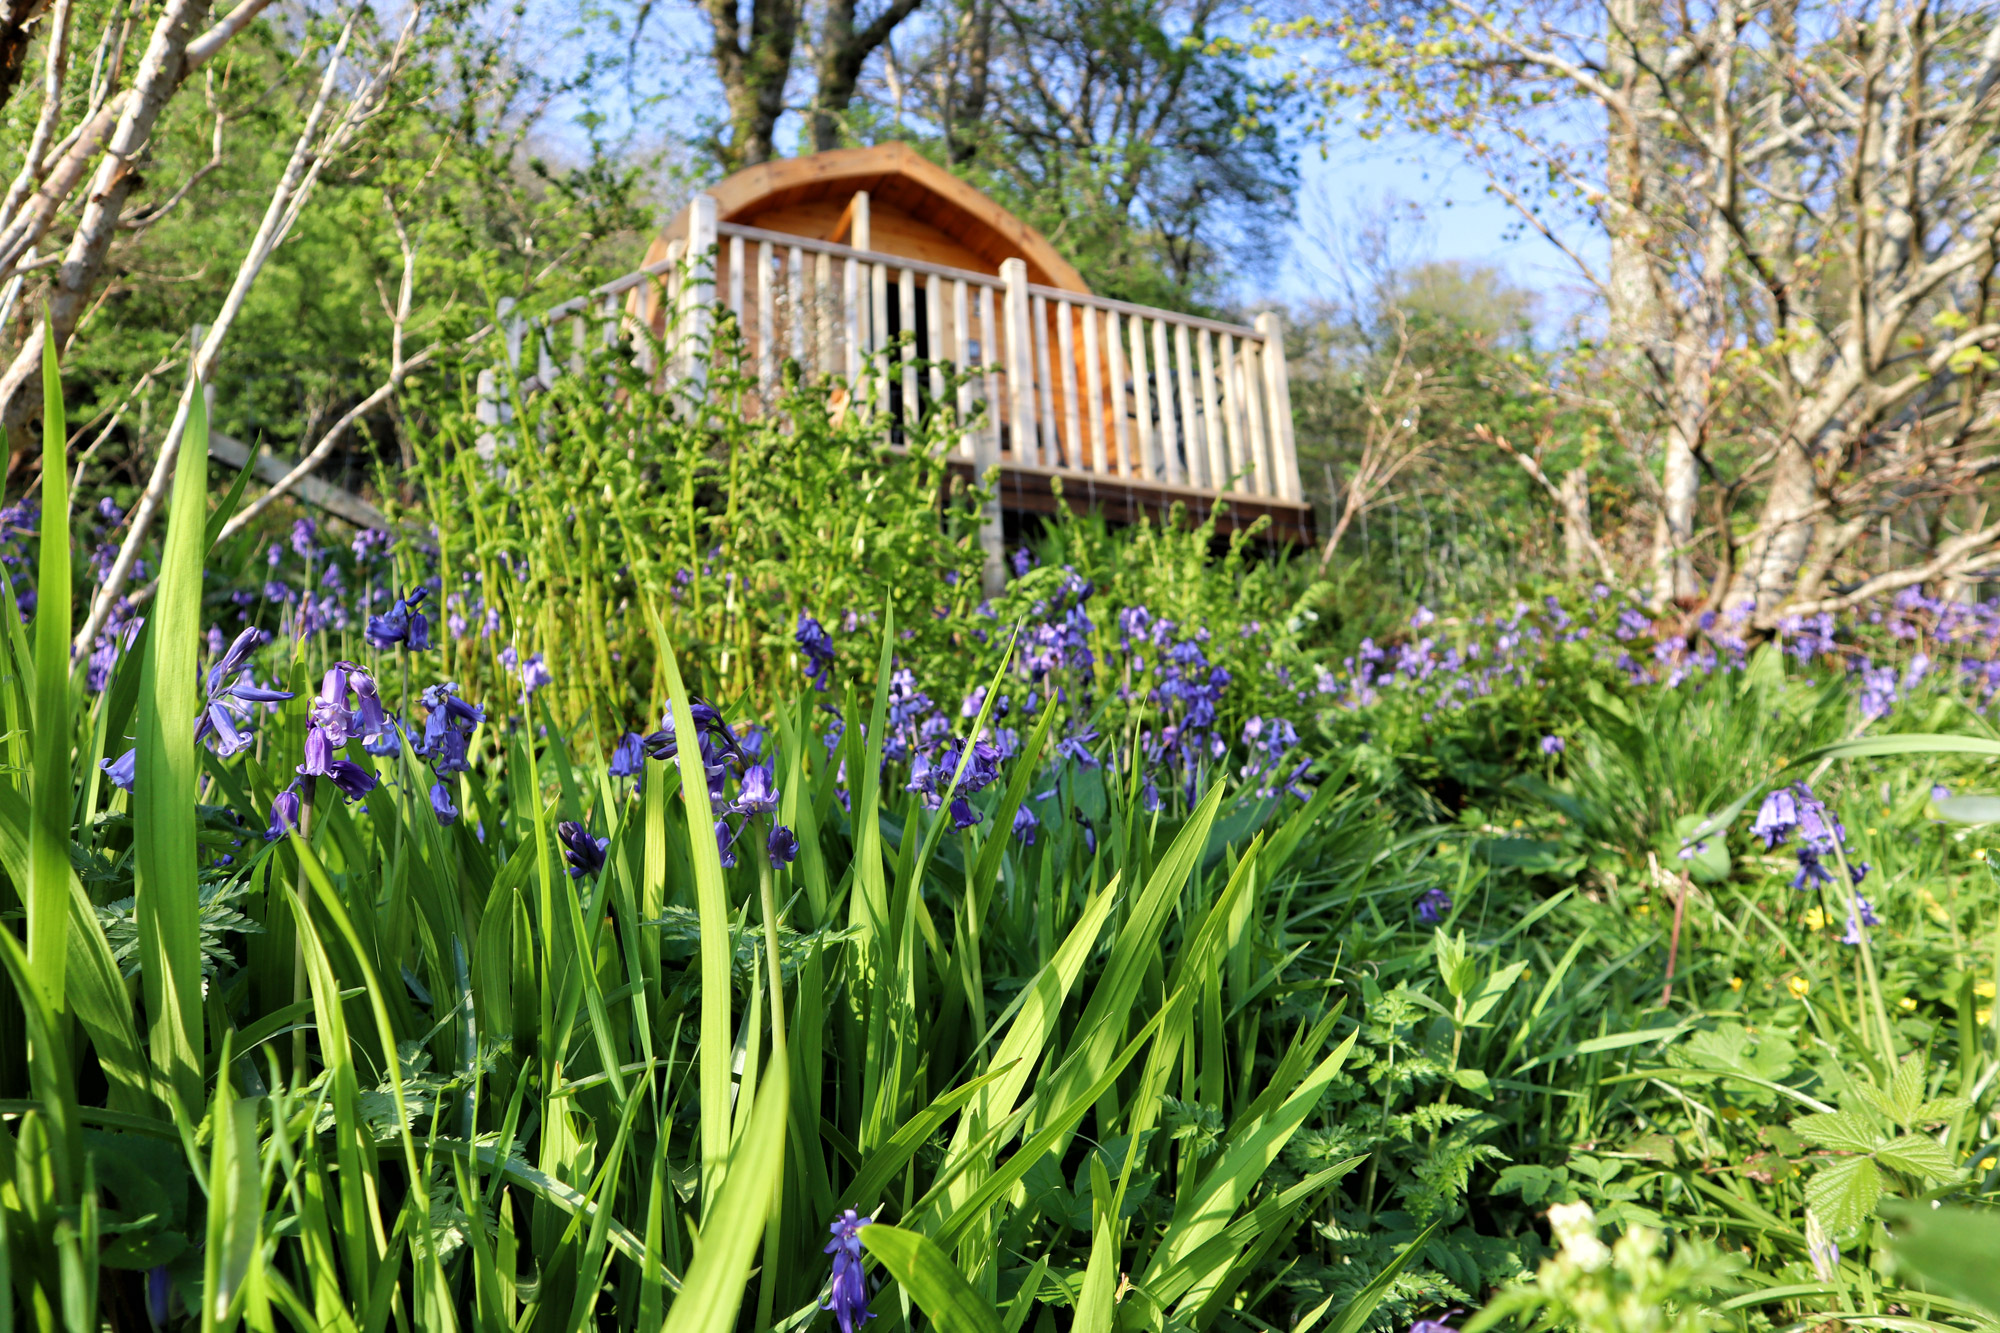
{"points": [[917, 209]]}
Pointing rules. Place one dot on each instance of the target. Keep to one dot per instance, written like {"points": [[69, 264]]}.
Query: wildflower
{"points": [[441, 804], [1814, 918], [1776, 818], [402, 625], [1940, 792], [1089, 831], [1798, 986], [1421, 617], [963, 816], [1433, 907], [1983, 989], [848, 1295], [1026, 824], [1432, 1326], [159, 1294], [1908, 1004], [817, 645], [755, 795], [1736, 983], [1552, 745], [1575, 1228], [535, 674], [230, 696], [628, 757], [284, 813], [1867, 918], [1149, 796], [584, 853], [1023, 561], [123, 771], [781, 847], [725, 843]]}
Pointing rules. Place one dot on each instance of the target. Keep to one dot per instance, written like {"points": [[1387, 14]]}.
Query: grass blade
{"points": [[49, 868], [925, 1271]]}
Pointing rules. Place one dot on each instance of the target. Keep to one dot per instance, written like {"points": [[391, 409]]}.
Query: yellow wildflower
{"points": [[1983, 989], [1907, 1003], [1736, 983], [1815, 918], [1983, 1017], [1799, 986], [1979, 853], [1988, 1163]]}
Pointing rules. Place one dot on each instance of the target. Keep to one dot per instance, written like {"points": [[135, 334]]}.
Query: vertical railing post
{"points": [[1278, 393], [699, 292], [1020, 362]]}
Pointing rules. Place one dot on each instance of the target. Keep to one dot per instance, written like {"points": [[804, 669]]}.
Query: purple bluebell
{"points": [[1026, 824], [1149, 795], [1432, 1326], [754, 793], [1940, 792], [963, 816], [284, 813], [1812, 871], [159, 1295], [817, 645], [847, 1297], [441, 804], [628, 757], [725, 843], [584, 853], [781, 847], [1433, 907], [403, 625], [123, 771], [1854, 927], [1552, 745], [1076, 748], [1022, 560], [1776, 818], [1089, 831], [535, 674], [231, 693]]}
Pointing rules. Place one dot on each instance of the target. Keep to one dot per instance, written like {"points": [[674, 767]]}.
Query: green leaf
{"points": [[54, 788], [1357, 1313], [1970, 809], [1915, 1155], [1848, 1131], [1844, 1193], [1952, 1250], [1882, 747], [713, 1290], [168, 894], [926, 1272]]}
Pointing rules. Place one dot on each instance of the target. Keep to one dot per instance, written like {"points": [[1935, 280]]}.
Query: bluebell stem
{"points": [[781, 847], [848, 1295], [584, 853], [123, 771]]}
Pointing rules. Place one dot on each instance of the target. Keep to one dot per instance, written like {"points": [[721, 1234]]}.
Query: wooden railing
{"points": [[1071, 384]]}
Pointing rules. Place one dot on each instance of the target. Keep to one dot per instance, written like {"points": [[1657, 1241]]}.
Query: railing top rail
{"points": [[615, 287], [1149, 312], [838, 251]]}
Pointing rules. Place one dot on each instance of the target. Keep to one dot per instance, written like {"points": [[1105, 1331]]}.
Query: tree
{"points": [[754, 62], [1126, 131], [1803, 201]]}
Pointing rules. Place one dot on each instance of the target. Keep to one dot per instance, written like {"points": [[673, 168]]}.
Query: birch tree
{"points": [[1802, 204]]}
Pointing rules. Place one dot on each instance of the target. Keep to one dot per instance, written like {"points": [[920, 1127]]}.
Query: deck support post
{"points": [[698, 292], [1278, 390]]}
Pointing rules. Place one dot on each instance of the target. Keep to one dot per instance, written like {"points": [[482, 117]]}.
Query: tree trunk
{"points": [[159, 75], [1680, 493], [16, 17], [837, 60], [1770, 569], [753, 73], [1579, 543]]}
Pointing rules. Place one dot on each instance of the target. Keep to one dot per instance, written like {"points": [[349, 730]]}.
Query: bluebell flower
{"points": [[848, 1295], [781, 847], [1939, 792], [963, 816], [584, 853], [1432, 1326], [231, 693], [628, 757], [535, 674], [1434, 906], [402, 626], [754, 794], [1854, 927], [123, 771], [441, 804], [1076, 748], [159, 1294], [1089, 831], [817, 645], [1026, 824], [1022, 560], [1776, 818], [284, 813], [1811, 871], [725, 843], [1149, 795], [1552, 745]]}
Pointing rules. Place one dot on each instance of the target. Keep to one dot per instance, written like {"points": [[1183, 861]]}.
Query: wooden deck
{"points": [[1133, 408]]}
